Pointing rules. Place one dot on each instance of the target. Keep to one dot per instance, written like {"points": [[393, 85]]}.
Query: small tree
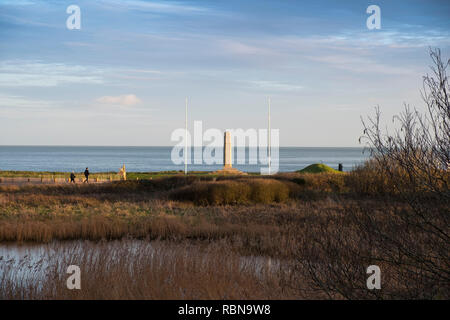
{"points": [[409, 238], [417, 155], [416, 159]]}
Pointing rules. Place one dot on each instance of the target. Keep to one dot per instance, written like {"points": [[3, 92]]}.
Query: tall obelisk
{"points": [[227, 158], [227, 150]]}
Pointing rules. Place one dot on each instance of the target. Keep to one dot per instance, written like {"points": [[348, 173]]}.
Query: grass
{"points": [[130, 175], [206, 224], [106, 175], [318, 168]]}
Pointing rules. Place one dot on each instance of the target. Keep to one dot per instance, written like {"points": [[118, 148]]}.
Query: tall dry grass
{"points": [[237, 191], [142, 270]]}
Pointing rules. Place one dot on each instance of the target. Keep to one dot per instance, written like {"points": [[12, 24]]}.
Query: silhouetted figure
{"points": [[86, 174], [72, 177], [341, 167]]}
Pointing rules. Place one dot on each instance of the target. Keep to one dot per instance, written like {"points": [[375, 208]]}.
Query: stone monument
{"points": [[227, 150], [227, 158]]}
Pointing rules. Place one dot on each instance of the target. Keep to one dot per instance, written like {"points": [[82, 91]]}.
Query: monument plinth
{"points": [[227, 158]]}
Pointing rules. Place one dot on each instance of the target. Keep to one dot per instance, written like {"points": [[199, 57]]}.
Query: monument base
{"points": [[230, 171]]}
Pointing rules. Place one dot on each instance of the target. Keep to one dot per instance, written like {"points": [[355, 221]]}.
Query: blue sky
{"points": [[122, 78]]}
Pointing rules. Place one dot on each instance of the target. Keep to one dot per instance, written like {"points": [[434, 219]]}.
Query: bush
{"points": [[324, 182], [299, 181], [239, 191], [367, 179]]}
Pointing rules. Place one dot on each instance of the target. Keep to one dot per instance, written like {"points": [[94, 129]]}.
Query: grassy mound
{"points": [[318, 168]]}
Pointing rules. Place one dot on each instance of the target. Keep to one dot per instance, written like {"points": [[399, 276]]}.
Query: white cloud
{"points": [[24, 73], [34, 73], [155, 6], [242, 48], [275, 86], [20, 107], [124, 100], [17, 2], [19, 102], [358, 64]]}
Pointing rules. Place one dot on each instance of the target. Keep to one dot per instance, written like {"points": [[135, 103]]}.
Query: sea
{"points": [[147, 159]]}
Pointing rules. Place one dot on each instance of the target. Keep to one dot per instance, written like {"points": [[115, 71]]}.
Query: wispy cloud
{"points": [[244, 47], [390, 38], [19, 73], [16, 2], [21, 107], [358, 64], [32, 73], [124, 100], [8, 101], [275, 86], [154, 6]]}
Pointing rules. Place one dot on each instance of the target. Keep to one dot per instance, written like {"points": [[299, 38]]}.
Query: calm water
{"points": [[35, 264], [142, 159]]}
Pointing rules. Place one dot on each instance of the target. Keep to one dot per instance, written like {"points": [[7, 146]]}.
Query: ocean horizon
{"points": [[158, 158]]}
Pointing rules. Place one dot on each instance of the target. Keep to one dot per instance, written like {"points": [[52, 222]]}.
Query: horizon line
{"points": [[151, 146]]}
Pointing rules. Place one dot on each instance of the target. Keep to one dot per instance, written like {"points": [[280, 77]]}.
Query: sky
{"points": [[123, 77]]}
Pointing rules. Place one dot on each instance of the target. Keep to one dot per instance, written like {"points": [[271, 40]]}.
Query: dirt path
{"points": [[36, 181]]}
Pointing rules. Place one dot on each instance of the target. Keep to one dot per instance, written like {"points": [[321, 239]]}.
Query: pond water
{"points": [[35, 265]]}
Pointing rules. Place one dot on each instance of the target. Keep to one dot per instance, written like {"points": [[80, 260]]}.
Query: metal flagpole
{"points": [[185, 138], [268, 133]]}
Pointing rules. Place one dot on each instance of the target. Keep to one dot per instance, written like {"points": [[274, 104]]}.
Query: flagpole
{"points": [[268, 133], [185, 138]]}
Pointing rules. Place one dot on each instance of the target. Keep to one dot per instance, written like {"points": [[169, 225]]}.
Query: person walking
{"points": [[72, 177], [86, 174]]}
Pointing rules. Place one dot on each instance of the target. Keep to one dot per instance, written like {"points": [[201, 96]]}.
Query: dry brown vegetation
{"points": [[322, 226], [236, 191], [143, 209], [143, 270]]}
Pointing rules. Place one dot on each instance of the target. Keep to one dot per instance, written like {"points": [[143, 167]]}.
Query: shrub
{"points": [[299, 181], [324, 182], [367, 179], [238, 191]]}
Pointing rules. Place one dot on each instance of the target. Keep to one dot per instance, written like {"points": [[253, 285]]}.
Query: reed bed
{"points": [[143, 270]]}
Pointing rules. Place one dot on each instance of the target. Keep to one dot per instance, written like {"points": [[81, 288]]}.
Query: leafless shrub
{"points": [[408, 238], [417, 155]]}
